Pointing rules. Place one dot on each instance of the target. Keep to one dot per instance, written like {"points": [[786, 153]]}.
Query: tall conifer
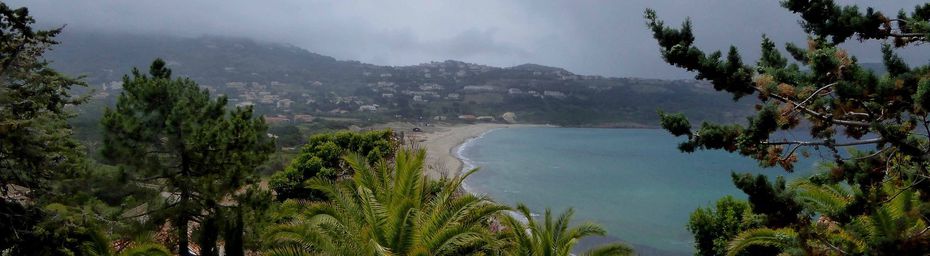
{"points": [[171, 136]]}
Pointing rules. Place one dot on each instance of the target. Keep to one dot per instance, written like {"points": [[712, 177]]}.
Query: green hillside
{"points": [[292, 83]]}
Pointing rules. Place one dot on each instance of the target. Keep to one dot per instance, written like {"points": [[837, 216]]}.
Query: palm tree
{"points": [[553, 237], [390, 211], [145, 249], [99, 244], [892, 226]]}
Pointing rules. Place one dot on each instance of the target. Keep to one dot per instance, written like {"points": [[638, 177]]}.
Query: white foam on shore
{"points": [[468, 164]]}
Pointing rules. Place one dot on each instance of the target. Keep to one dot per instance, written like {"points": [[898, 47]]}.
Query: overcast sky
{"points": [[587, 37]]}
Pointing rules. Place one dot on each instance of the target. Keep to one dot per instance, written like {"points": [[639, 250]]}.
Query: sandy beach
{"points": [[441, 145], [441, 141]]}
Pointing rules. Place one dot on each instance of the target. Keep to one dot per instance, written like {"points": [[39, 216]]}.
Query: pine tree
{"points": [[35, 141], [170, 136], [881, 118], [37, 150]]}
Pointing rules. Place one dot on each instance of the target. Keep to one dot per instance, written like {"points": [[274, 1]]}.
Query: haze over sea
{"points": [[633, 182]]}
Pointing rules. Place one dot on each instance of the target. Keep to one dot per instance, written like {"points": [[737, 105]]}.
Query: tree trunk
{"points": [[183, 227], [184, 204], [209, 231], [233, 235]]}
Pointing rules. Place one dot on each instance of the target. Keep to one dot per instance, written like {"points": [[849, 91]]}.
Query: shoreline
{"points": [[442, 141], [442, 144]]}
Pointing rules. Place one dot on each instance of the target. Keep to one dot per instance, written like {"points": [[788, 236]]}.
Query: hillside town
{"points": [[448, 91]]}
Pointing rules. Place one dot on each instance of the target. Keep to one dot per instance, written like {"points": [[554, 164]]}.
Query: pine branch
{"points": [[144, 179], [869, 156], [149, 212], [826, 143], [832, 246], [903, 189], [812, 96], [822, 116]]}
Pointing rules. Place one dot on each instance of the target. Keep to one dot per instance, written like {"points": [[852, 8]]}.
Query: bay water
{"points": [[633, 182]]}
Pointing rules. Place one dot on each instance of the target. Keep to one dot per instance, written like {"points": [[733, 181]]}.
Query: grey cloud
{"points": [[587, 37], [474, 42]]}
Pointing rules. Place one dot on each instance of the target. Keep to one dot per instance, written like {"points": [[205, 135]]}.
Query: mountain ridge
{"points": [[285, 80]]}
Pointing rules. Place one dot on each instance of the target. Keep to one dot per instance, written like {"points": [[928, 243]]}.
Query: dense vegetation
{"points": [[321, 158], [169, 135], [871, 195], [393, 209], [45, 208], [170, 167], [176, 171]]}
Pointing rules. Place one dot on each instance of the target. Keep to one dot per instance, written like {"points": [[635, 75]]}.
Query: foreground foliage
{"points": [[38, 156], [553, 236], [390, 210], [322, 157], [168, 135], [869, 197], [713, 228]]}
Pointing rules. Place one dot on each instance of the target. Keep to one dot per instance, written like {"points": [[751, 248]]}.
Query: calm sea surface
{"points": [[634, 182]]}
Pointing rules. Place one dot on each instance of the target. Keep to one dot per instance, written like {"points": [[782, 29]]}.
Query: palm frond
{"points": [[781, 238], [828, 199], [552, 236], [615, 249], [146, 249], [388, 211]]}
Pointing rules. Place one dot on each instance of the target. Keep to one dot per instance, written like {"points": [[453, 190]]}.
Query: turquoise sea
{"points": [[634, 182]]}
